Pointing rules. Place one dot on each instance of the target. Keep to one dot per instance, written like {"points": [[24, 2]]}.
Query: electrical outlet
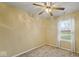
{"points": [[3, 53]]}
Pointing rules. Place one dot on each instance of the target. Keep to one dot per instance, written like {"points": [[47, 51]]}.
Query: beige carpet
{"points": [[49, 51]]}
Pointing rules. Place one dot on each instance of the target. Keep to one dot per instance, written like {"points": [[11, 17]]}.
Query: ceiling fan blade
{"points": [[58, 8], [38, 5], [50, 13], [41, 12]]}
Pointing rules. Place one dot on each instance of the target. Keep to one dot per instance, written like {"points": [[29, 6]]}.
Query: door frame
{"points": [[73, 37]]}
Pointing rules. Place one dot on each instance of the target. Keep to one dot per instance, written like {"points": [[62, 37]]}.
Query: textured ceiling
{"points": [[69, 7]]}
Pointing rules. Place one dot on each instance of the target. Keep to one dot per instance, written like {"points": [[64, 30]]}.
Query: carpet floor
{"points": [[49, 51]]}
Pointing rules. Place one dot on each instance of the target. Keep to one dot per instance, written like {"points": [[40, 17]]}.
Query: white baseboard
{"points": [[28, 50], [38, 47], [51, 45], [59, 47]]}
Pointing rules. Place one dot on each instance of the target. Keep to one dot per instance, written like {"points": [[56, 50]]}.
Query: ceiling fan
{"points": [[48, 7]]}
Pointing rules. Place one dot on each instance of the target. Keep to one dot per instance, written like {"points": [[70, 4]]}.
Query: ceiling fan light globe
{"points": [[47, 10], [50, 10]]}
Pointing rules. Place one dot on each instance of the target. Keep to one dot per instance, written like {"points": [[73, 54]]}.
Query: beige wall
{"points": [[52, 30], [77, 30], [18, 31]]}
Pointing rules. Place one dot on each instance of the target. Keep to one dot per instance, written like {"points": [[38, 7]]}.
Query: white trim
{"points": [[73, 35], [28, 50], [66, 49], [58, 32], [60, 47], [52, 45]]}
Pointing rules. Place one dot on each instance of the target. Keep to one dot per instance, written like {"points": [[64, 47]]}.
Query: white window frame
{"points": [[73, 31]]}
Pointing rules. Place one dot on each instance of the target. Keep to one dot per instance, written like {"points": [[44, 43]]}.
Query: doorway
{"points": [[66, 34]]}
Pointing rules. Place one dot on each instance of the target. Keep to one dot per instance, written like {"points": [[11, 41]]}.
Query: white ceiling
{"points": [[69, 7]]}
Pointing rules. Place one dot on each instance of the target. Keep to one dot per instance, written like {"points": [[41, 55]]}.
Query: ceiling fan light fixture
{"points": [[48, 10], [54, 5], [49, 7]]}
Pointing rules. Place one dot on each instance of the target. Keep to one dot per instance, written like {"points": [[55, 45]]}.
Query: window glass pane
{"points": [[65, 30]]}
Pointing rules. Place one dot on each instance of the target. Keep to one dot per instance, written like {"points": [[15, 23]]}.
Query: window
{"points": [[65, 29]]}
